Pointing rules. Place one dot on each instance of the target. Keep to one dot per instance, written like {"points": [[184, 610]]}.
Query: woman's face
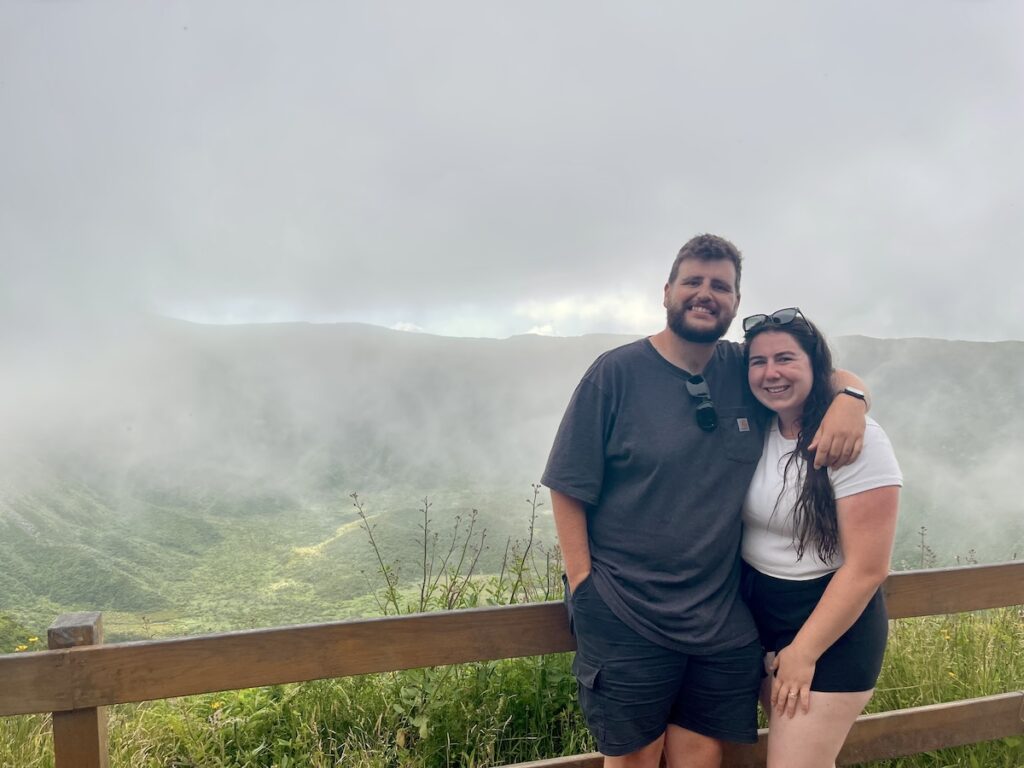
{"points": [[780, 374]]}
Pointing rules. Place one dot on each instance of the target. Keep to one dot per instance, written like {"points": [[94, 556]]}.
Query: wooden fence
{"points": [[80, 676]]}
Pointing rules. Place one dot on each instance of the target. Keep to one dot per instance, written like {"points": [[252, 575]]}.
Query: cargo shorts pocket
{"points": [[586, 671], [567, 599], [588, 676], [570, 599]]}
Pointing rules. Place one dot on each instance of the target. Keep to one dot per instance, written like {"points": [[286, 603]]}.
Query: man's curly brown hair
{"points": [[708, 248]]}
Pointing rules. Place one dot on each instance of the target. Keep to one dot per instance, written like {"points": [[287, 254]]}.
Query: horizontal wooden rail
{"points": [[936, 726], [35, 682], [96, 676], [99, 675], [954, 590], [882, 736]]}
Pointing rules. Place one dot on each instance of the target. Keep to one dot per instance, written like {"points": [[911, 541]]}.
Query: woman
{"points": [[816, 546]]}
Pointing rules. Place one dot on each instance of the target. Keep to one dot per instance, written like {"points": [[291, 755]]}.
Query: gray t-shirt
{"points": [[663, 497]]}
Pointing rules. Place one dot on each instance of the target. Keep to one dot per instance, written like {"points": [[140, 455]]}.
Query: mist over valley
{"points": [[184, 478]]}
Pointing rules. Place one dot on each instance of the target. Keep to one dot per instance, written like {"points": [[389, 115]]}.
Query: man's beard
{"points": [[677, 323]]}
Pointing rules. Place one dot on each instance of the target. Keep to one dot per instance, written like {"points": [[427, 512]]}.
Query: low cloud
{"points": [[352, 164], [574, 315]]}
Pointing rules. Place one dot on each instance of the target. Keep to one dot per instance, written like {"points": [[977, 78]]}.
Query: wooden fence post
{"points": [[80, 735]]}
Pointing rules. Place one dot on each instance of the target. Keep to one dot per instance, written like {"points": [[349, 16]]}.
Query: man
{"points": [[647, 476]]}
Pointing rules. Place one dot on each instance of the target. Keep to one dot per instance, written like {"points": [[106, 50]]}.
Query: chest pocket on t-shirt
{"points": [[741, 434]]}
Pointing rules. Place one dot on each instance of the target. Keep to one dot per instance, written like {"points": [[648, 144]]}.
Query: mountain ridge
{"points": [[182, 454]]}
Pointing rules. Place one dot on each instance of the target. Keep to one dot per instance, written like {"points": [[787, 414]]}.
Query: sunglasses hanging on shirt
{"points": [[698, 388]]}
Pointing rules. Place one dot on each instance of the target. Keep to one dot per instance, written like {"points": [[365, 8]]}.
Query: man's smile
{"points": [[701, 309]]}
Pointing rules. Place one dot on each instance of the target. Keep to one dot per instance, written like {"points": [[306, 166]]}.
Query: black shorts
{"points": [[630, 689], [781, 606]]}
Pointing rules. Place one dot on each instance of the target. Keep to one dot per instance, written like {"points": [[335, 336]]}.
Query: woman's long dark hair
{"points": [[814, 515]]}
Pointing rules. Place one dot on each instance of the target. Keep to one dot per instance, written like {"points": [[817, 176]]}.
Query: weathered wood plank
{"points": [[589, 760], [80, 739], [879, 737], [954, 590], [164, 669], [34, 682], [937, 726], [80, 736], [71, 629], [112, 674]]}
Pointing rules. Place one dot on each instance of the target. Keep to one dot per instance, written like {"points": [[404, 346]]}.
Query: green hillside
{"points": [[199, 479], [158, 570], [953, 412]]}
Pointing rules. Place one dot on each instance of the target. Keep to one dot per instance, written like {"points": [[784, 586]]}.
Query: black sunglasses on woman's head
{"points": [[778, 317]]}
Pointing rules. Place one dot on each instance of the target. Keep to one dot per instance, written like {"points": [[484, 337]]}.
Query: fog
{"points": [[307, 413], [486, 170], [172, 174]]}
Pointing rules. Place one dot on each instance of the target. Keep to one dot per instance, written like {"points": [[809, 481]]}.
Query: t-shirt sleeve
{"points": [[576, 464], [876, 467]]}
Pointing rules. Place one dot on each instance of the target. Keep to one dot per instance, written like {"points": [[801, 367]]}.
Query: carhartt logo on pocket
{"points": [[743, 425]]}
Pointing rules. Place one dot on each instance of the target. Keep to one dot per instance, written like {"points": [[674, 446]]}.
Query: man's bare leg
{"points": [[645, 757], [687, 749]]}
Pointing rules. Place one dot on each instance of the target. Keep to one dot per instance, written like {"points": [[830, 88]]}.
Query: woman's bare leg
{"points": [[813, 740]]}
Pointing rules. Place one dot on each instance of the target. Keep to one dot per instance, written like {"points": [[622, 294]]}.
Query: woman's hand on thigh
{"points": [[791, 682]]}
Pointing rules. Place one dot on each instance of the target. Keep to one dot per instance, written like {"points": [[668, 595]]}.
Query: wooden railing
{"points": [[80, 676]]}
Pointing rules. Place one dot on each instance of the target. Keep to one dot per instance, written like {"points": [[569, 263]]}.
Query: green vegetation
{"points": [[209, 491], [500, 712], [489, 713], [14, 636], [159, 570]]}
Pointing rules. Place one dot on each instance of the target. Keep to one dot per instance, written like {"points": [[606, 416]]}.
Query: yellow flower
{"points": [[217, 705], [20, 648], [33, 639], [952, 674]]}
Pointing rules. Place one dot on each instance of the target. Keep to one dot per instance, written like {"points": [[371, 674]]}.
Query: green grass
{"points": [[946, 658], [473, 715], [14, 636], [501, 712]]}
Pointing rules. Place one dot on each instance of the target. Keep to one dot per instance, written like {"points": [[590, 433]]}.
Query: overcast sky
{"points": [[492, 168]]}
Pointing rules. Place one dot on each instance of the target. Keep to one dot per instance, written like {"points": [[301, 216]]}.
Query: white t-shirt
{"points": [[768, 543]]}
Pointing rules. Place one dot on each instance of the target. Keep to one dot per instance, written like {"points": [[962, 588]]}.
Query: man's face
{"points": [[702, 301]]}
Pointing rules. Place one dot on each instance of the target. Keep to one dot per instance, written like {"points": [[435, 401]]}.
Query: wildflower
{"points": [[33, 639], [217, 705], [952, 674], [20, 648]]}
